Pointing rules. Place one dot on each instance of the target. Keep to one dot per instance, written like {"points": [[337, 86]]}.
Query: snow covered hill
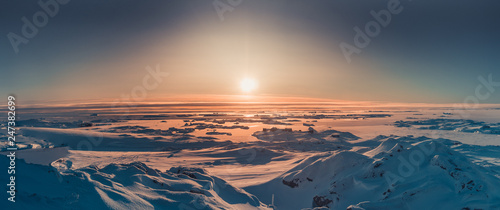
{"points": [[122, 186], [400, 173]]}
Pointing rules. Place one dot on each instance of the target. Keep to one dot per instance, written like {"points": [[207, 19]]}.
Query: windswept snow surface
{"points": [[123, 186], [400, 173]]}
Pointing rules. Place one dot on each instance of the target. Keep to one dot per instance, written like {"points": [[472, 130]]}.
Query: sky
{"points": [[429, 52]]}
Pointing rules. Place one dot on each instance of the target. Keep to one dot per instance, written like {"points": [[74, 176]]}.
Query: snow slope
{"points": [[123, 186], [42, 156], [400, 173]]}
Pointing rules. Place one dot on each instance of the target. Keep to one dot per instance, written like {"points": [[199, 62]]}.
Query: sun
{"points": [[248, 85]]}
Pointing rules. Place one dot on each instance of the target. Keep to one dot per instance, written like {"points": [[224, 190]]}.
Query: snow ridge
{"points": [[400, 173], [124, 186]]}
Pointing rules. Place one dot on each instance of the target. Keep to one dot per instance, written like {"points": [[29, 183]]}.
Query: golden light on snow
{"points": [[248, 85]]}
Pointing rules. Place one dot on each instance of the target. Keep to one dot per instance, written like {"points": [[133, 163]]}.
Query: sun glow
{"points": [[248, 85]]}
